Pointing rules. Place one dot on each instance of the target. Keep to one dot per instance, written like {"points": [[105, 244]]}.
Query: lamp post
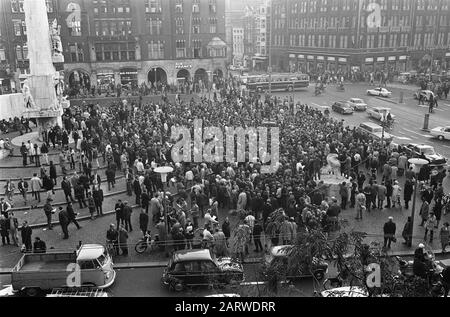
{"points": [[154, 69], [417, 163], [163, 171]]}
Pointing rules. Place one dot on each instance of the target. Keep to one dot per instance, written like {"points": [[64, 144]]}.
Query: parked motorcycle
{"points": [[147, 243]]}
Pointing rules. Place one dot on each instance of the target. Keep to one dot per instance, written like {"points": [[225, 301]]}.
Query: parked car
{"points": [[357, 104], [379, 113], [424, 151], [278, 255], [442, 133], [374, 130], [197, 267], [425, 93], [382, 92], [342, 107]]}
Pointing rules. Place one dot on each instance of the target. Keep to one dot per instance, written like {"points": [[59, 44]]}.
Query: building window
{"points": [[382, 40], [419, 20], [17, 6], [76, 52], [17, 27], [22, 52], [196, 25], [180, 49], [153, 6], [213, 25], [154, 26], [2, 55], [179, 6], [392, 40], [156, 50], [212, 6], [420, 4], [197, 48], [370, 43], [24, 28], [179, 25], [195, 6]]}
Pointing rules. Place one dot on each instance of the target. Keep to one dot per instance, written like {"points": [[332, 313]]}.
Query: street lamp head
{"points": [[417, 164], [163, 171]]}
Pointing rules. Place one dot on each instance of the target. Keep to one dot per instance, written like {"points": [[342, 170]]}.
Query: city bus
{"points": [[280, 82]]}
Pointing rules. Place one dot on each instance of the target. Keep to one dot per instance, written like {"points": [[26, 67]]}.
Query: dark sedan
{"points": [[342, 107]]}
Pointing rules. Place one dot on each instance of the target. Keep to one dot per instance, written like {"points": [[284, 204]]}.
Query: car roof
{"points": [[90, 252], [381, 108], [358, 99], [280, 250], [192, 255], [421, 145]]}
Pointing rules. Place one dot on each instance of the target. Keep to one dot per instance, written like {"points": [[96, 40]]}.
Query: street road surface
{"points": [[409, 116]]}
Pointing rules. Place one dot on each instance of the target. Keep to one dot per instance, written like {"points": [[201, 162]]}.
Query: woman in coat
{"points": [[444, 236], [424, 210], [53, 174], [408, 191], [9, 190], [430, 225], [437, 210]]}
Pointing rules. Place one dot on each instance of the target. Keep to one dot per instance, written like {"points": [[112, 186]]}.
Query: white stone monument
{"points": [[47, 108]]}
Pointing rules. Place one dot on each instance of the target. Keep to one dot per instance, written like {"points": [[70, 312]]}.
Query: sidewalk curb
{"points": [[156, 264], [62, 203], [88, 217]]}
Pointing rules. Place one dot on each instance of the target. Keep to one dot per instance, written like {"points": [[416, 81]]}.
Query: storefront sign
{"points": [[369, 59], [129, 73], [310, 57], [342, 59], [301, 56], [330, 58], [291, 55], [320, 58], [181, 65], [380, 59], [392, 58], [403, 57]]}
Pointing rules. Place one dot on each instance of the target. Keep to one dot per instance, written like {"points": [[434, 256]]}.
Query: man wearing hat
{"points": [[48, 210], [389, 232], [64, 221]]}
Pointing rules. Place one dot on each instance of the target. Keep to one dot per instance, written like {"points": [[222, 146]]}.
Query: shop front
{"points": [[105, 80], [342, 66], [331, 64], [320, 64], [310, 67], [392, 64], [447, 61], [368, 65], [128, 77], [380, 64], [401, 65]]}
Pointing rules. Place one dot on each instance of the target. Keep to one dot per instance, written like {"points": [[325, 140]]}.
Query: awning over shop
{"points": [[342, 59], [310, 57], [331, 58]]}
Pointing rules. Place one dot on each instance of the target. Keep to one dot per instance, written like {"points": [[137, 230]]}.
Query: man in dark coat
{"points": [[112, 236], [67, 188], [48, 210], [39, 246], [97, 194], [389, 232], [71, 215], [24, 152], [143, 221], [79, 195], [64, 222], [137, 190], [119, 212], [127, 210], [145, 200], [26, 236], [110, 177]]}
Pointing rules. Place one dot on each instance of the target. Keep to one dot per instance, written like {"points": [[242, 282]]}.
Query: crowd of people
{"points": [[187, 211]]}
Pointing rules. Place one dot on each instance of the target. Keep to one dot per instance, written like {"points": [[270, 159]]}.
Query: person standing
{"points": [[53, 174], [360, 204], [430, 226], [145, 200], [444, 236], [424, 211], [407, 232], [119, 212], [110, 177], [112, 237], [123, 238], [143, 221], [407, 193], [137, 190], [91, 205], [257, 231], [48, 210], [97, 194], [79, 195], [44, 152], [24, 152], [67, 188], [220, 243], [22, 186], [4, 207], [37, 154], [13, 228], [71, 215], [343, 191], [9, 190], [381, 194], [64, 222], [437, 210], [226, 229], [389, 232], [4, 230], [26, 233], [127, 210]]}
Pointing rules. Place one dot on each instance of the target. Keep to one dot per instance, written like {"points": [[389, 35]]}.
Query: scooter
{"points": [[147, 242]]}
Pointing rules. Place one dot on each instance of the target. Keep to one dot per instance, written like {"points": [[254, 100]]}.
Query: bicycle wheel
{"points": [[140, 247]]}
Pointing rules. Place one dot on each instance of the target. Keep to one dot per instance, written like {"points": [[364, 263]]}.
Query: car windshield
{"points": [[101, 259], [428, 151], [357, 101]]}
